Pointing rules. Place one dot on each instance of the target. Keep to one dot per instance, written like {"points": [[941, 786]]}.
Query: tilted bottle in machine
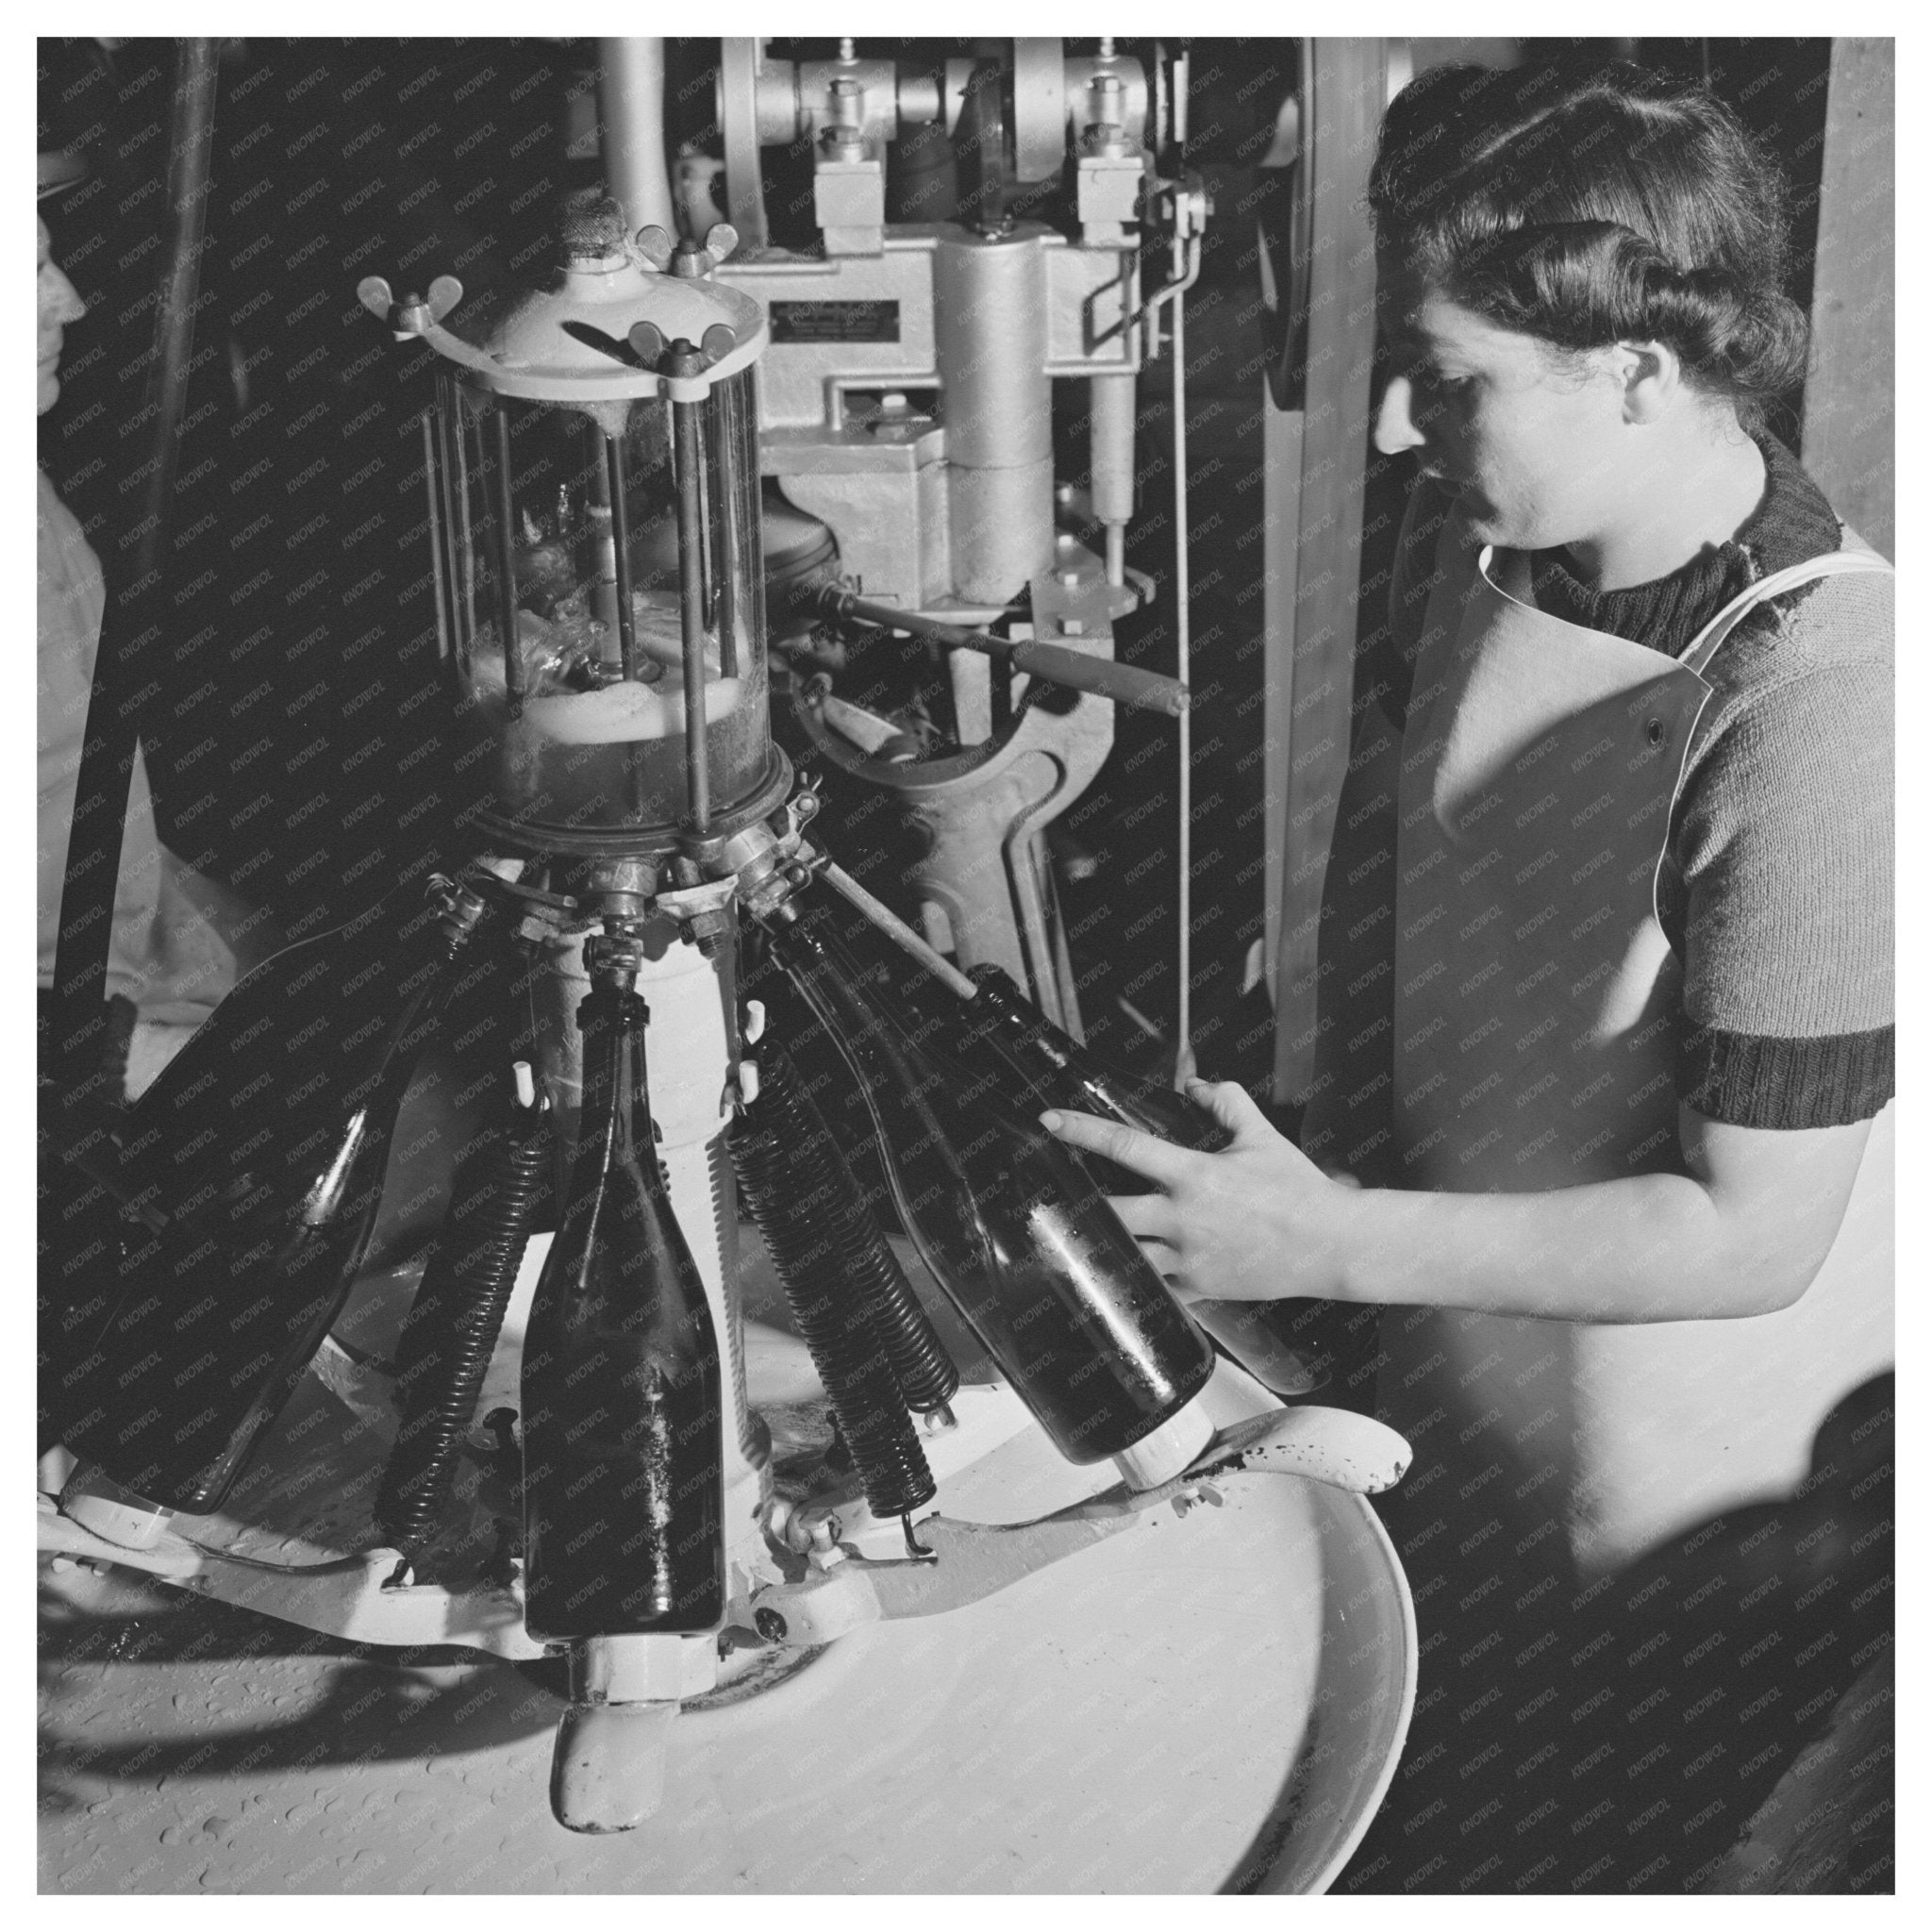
{"points": [[633, 802], [1024, 1063], [1294, 1345], [248, 1177], [1008, 1224]]}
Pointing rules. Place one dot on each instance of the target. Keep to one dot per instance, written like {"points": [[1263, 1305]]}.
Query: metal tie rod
{"points": [[1123, 684]]}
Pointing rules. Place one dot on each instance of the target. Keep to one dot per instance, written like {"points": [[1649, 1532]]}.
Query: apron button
{"points": [[1654, 731]]}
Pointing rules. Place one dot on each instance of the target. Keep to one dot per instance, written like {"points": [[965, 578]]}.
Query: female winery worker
{"points": [[1606, 993]]}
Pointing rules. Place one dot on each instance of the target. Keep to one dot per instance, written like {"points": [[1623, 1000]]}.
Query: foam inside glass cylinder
{"points": [[580, 746]]}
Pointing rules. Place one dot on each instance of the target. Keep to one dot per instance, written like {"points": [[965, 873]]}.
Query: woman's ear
{"points": [[1651, 376]]}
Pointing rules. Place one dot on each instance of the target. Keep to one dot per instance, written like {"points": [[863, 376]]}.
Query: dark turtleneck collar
{"points": [[1791, 524]]}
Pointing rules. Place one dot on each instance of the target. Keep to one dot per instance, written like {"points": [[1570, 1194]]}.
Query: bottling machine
{"points": [[906, 406], [560, 1432]]}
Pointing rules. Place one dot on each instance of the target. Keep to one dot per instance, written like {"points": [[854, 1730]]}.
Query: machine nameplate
{"points": [[835, 321]]}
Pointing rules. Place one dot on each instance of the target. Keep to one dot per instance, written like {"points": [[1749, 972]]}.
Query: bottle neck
{"points": [[858, 966], [999, 1004], [848, 992], [417, 994], [1064, 1062], [617, 1113]]}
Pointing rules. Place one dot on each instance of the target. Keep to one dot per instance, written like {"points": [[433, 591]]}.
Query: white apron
{"points": [[1535, 1019]]}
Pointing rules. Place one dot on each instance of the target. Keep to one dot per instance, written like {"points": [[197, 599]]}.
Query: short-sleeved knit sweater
{"points": [[1776, 885]]}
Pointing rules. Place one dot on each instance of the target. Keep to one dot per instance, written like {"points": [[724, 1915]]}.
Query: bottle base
{"points": [[1161, 1456]]}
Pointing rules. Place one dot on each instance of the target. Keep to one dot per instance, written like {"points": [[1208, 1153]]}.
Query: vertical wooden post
{"points": [[1847, 442], [1345, 92]]}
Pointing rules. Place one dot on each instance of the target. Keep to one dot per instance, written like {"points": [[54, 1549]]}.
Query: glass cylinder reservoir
{"points": [[591, 497]]}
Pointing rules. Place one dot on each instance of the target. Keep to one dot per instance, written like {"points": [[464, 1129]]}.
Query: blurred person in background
{"points": [[171, 957]]}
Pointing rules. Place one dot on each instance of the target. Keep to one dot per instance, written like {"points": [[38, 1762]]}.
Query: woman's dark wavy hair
{"points": [[1619, 206]]}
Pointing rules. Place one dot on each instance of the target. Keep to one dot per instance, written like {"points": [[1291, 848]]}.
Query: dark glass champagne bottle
{"points": [[1293, 1346], [1009, 1224], [248, 1179], [623, 1392], [1062, 1071]]}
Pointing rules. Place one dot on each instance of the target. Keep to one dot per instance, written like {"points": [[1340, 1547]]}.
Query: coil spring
{"points": [[839, 1276], [450, 1332], [928, 1378]]}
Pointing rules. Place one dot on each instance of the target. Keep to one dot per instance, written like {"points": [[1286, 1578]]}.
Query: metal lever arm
{"points": [[1123, 684], [978, 1559]]}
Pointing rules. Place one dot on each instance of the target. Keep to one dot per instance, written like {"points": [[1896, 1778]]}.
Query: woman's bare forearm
{"points": [[1739, 1229], [1653, 1248]]}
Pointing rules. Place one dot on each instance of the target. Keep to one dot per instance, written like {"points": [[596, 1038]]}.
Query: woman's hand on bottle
{"points": [[1254, 1222]]}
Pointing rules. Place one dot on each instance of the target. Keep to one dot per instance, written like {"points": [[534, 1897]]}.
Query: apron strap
{"points": [[1834, 563]]}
